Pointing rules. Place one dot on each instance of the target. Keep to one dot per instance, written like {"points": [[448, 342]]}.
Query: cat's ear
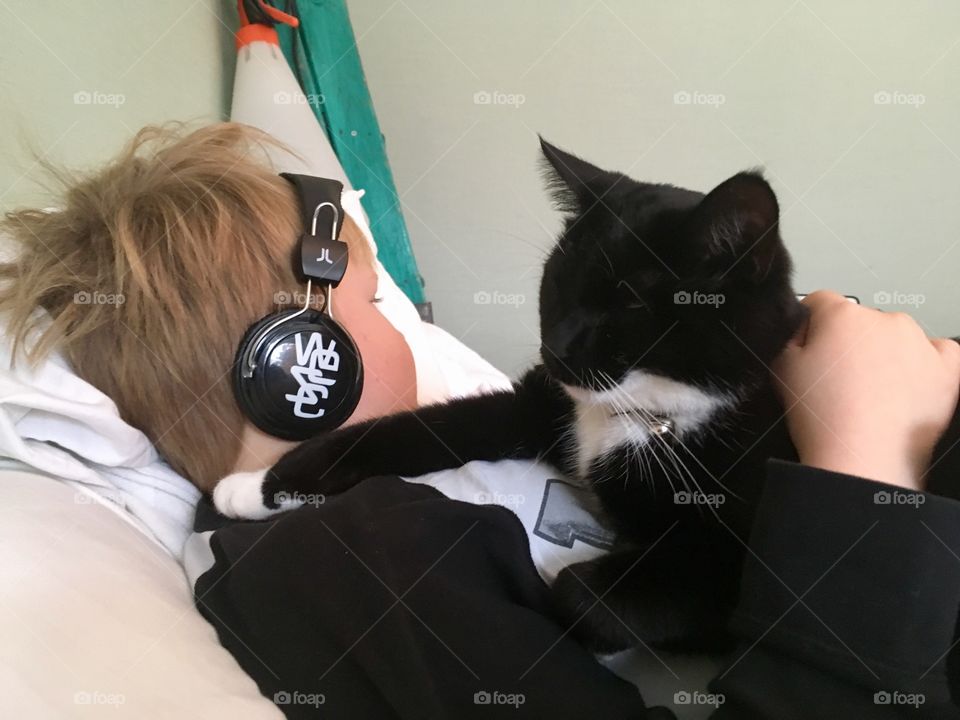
{"points": [[574, 184], [738, 222]]}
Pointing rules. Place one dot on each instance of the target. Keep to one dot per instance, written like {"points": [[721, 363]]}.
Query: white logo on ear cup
{"points": [[312, 361]]}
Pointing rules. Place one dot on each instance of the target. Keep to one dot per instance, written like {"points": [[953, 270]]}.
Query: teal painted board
{"points": [[285, 33], [324, 56]]}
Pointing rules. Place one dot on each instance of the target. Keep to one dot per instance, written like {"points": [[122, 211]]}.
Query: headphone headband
{"points": [[322, 256]]}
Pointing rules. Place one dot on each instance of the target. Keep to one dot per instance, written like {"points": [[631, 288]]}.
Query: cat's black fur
{"points": [[609, 306]]}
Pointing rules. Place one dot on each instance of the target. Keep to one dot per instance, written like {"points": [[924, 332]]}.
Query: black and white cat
{"points": [[660, 311]]}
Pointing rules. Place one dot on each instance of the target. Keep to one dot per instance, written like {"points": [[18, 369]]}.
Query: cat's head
{"points": [[656, 280]]}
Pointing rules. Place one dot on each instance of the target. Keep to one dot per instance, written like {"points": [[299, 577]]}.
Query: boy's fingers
{"points": [[820, 299], [816, 303], [950, 352]]}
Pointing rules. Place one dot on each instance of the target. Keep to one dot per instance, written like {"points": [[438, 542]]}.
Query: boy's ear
{"points": [[738, 221], [574, 184]]}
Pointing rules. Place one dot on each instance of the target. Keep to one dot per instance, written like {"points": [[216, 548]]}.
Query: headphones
{"points": [[298, 372]]}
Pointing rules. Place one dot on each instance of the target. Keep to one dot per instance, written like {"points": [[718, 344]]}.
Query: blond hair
{"points": [[150, 270]]}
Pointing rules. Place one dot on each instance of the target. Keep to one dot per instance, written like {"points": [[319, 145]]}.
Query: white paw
{"points": [[240, 495]]}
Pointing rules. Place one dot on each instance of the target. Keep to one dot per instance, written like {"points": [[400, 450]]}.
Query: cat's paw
{"points": [[245, 495], [654, 597], [590, 620]]}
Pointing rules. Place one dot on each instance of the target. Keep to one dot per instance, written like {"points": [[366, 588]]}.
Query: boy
{"points": [[188, 238]]}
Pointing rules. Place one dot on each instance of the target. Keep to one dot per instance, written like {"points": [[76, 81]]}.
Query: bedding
{"points": [[97, 619], [54, 423]]}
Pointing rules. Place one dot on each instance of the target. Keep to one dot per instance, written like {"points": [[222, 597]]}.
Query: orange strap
{"points": [[256, 32], [274, 14]]}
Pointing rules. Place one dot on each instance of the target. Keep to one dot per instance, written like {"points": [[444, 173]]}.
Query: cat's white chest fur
{"points": [[600, 429]]}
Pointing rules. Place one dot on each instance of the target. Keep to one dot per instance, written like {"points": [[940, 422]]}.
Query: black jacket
{"points": [[393, 601], [849, 602]]}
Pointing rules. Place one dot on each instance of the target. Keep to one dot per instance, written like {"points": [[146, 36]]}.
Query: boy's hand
{"points": [[866, 392]]}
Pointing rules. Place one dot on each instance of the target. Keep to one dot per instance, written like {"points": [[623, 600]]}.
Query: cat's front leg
{"points": [[500, 425], [675, 594], [323, 465]]}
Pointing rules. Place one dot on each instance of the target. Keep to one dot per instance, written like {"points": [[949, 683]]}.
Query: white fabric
{"points": [[268, 96], [54, 423], [445, 367], [98, 621], [461, 372]]}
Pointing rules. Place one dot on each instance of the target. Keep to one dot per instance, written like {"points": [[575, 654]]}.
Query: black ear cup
{"points": [[297, 373]]}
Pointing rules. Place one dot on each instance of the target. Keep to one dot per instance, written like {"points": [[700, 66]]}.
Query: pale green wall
{"points": [[877, 184], [170, 60]]}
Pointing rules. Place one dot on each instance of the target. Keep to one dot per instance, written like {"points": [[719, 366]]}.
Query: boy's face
{"points": [[389, 374]]}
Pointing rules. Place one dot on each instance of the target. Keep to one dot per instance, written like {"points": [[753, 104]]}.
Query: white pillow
{"points": [[445, 366], [98, 621]]}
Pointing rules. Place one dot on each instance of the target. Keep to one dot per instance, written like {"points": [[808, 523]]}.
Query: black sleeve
{"points": [[393, 602], [849, 603]]}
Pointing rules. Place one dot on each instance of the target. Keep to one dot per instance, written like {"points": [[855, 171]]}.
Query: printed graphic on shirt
{"points": [[564, 518], [555, 514]]}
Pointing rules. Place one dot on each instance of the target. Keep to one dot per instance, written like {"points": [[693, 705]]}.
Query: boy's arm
{"points": [[849, 602]]}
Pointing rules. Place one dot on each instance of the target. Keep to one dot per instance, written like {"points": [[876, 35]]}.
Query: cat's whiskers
{"points": [[613, 271], [683, 474], [670, 449], [568, 437], [697, 485], [678, 462], [650, 417], [658, 437], [632, 453], [712, 476], [619, 398], [631, 450]]}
